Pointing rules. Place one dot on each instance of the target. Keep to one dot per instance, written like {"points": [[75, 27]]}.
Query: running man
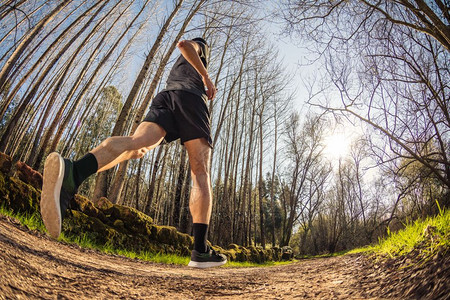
{"points": [[179, 111]]}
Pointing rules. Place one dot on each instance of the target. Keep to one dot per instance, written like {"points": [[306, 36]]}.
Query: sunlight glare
{"points": [[337, 145]]}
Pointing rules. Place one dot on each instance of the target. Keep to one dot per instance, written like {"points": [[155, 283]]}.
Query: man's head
{"points": [[202, 40]]}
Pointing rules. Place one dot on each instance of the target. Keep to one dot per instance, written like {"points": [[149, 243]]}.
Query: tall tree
{"points": [[304, 150], [24, 77], [25, 42], [120, 125], [26, 100], [118, 180], [393, 76], [37, 152]]}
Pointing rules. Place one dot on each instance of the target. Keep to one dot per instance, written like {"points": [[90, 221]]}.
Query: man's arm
{"points": [[190, 51]]}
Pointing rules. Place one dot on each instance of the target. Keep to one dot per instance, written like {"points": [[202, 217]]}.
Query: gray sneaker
{"points": [[57, 190], [207, 260]]}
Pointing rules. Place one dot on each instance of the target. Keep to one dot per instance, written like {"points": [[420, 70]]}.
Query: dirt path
{"points": [[34, 266]]}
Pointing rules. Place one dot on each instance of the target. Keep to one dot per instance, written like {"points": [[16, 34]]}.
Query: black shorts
{"points": [[182, 114]]}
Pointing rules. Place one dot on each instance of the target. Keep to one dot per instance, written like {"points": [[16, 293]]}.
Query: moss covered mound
{"points": [[118, 226], [256, 254]]}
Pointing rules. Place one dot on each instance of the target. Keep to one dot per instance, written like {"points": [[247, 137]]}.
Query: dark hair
{"points": [[199, 39]]}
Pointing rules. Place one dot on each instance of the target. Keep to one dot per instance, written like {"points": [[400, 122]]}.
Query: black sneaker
{"points": [[57, 190], [206, 260]]}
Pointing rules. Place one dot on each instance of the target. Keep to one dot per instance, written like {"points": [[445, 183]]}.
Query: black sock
{"points": [[84, 167], [200, 231]]}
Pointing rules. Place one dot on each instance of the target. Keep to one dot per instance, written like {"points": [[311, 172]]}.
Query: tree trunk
{"points": [[118, 180], [158, 187], [14, 29], [185, 219], [45, 145], [178, 188], [151, 187], [18, 114], [261, 206], [246, 201], [69, 117], [272, 182], [121, 123], [37, 154], [9, 64], [23, 78], [138, 177], [9, 6]]}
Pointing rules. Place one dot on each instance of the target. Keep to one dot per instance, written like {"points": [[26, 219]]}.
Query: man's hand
{"points": [[210, 88]]}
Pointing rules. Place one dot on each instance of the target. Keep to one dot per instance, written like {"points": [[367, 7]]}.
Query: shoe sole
{"points": [[51, 189], [204, 265]]}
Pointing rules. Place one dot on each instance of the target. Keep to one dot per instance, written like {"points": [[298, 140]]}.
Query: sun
{"points": [[337, 145]]}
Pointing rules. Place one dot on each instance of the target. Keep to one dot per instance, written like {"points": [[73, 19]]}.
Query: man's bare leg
{"points": [[200, 204], [117, 149], [62, 176], [200, 201]]}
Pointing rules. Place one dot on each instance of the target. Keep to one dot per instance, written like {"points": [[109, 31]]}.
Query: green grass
{"points": [[34, 222], [85, 242], [325, 255], [426, 236], [234, 264], [170, 259]]}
